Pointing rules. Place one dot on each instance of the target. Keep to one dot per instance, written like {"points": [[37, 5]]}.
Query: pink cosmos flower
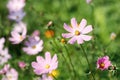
{"points": [[36, 33], [4, 56], [77, 32], [12, 74], [2, 41], [103, 63], [5, 69], [46, 77], [43, 66], [19, 33], [21, 64], [15, 5], [33, 46], [16, 16]]}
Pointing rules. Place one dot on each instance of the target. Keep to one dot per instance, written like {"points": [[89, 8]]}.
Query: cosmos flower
{"points": [[16, 16], [11, 74], [15, 5], [33, 46], [5, 69], [77, 32], [44, 66], [4, 56], [19, 33], [103, 63], [2, 41], [22, 64], [36, 33]]}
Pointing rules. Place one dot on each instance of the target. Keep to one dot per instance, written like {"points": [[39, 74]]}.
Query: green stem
{"points": [[65, 59], [87, 61], [54, 77], [70, 62]]}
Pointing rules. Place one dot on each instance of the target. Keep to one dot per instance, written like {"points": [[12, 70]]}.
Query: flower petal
{"points": [[87, 29], [80, 40], [39, 59], [82, 24], [72, 40], [86, 37], [67, 35], [35, 65], [47, 56], [74, 23], [67, 28]]}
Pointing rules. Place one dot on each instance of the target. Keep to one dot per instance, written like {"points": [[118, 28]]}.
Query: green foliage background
{"points": [[104, 15]]}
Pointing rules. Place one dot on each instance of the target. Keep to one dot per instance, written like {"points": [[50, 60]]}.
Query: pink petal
{"points": [[14, 34], [47, 56], [67, 35], [87, 29], [39, 59], [86, 37], [80, 40], [82, 24], [54, 59], [38, 72], [35, 65], [74, 23], [67, 28], [72, 40]]}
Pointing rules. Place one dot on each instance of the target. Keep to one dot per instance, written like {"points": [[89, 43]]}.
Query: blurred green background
{"points": [[104, 15]]}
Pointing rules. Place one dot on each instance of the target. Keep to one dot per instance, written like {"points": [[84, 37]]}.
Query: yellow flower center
{"points": [[21, 38], [77, 32], [102, 65], [9, 77], [47, 66], [34, 47]]}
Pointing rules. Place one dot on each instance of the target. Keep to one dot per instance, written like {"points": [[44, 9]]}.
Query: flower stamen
{"points": [[47, 66], [77, 32]]}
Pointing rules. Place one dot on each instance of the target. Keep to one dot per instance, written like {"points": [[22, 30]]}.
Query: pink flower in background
{"points": [[46, 77], [88, 1], [33, 46], [15, 5], [36, 33], [103, 63], [2, 41], [43, 66], [22, 64], [12, 74], [77, 32], [4, 56], [19, 33], [5, 69], [16, 16]]}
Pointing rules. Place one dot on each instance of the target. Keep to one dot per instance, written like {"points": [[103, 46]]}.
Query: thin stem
{"points": [[87, 61], [65, 59], [54, 77], [70, 61]]}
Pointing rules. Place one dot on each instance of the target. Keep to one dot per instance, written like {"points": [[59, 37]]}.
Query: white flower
{"points": [[112, 36]]}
